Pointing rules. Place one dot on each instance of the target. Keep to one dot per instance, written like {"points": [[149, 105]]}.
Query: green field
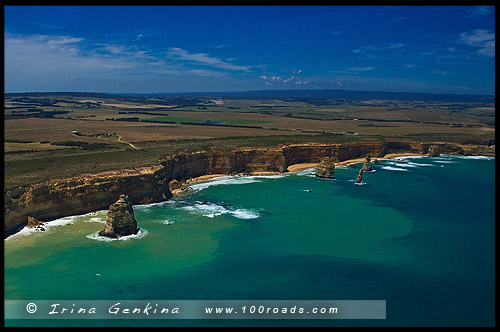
{"points": [[40, 128]]}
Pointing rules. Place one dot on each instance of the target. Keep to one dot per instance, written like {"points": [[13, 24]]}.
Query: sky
{"points": [[154, 49]]}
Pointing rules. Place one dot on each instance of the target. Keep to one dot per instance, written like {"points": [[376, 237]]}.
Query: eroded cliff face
{"points": [[83, 194], [88, 193]]}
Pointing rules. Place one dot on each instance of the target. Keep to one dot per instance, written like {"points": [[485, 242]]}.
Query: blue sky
{"points": [[143, 49]]}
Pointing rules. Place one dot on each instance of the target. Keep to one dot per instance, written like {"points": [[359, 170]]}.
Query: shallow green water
{"points": [[419, 233]]}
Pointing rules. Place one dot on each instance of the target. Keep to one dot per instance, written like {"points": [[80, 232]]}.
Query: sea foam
{"points": [[140, 234], [226, 180], [212, 210], [391, 168]]}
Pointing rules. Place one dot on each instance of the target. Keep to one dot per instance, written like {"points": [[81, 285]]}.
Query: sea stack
{"points": [[359, 179], [367, 166], [120, 220], [434, 151], [326, 168]]}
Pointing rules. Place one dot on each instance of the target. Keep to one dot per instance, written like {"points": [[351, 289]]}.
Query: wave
{"points": [[244, 214], [309, 171], [445, 161], [144, 207], [473, 157], [47, 226], [226, 180], [391, 168], [409, 157], [140, 234], [97, 219], [212, 210], [401, 164], [419, 164]]}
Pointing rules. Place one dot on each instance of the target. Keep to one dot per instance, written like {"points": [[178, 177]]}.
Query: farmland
{"points": [[85, 133]]}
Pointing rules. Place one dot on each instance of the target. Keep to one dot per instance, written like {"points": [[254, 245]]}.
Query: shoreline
{"points": [[387, 156], [294, 168], [54, 199]]}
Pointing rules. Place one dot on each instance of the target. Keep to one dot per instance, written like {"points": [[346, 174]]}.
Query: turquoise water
{"points": [[418, 233]]}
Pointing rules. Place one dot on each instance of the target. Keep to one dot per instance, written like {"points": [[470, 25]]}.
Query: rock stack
{"points": [[434, 151], [367, 166], [326, 168], [120, 220], [359, 179], [35, 223]]}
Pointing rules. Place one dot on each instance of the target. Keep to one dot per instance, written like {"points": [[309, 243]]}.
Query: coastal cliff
{"points": [[87, 193]]}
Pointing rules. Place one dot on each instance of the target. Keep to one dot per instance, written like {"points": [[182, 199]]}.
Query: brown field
{"points": [[54, 130], [28, 161]]}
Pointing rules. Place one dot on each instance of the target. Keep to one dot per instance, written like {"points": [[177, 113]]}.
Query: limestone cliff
{"points": [[120, 220], [83, 194], [87, 193]]}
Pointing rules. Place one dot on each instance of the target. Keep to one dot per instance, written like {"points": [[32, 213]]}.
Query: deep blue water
{"points": [[418, 233]]}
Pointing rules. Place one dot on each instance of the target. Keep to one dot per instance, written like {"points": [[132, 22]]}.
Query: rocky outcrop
{"points": [[33, 222], [434, 151], [87, 193], [83, 194], [326, 168], [367, 166], [120, 220], [359, 179]]}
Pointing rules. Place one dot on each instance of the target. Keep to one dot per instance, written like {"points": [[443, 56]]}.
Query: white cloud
{"points": [[482, 39], [204, 59], [439, 72], [59, 63], [336, 32], [353, 70], [379, 52], [358, 69], [481, 10], [275, 79]]}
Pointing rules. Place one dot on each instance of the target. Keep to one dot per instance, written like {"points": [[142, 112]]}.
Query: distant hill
{"points": [[294, 95], [343, 94]]}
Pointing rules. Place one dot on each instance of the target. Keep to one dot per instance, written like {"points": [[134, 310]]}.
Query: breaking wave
{"points": [[95, 236], [212, 210], [391, 168], [226, 180]]}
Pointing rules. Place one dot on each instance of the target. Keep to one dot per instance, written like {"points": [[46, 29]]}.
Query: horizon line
{"points": [[247, 91]]}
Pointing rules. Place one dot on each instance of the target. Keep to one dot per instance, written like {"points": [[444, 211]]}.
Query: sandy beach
{"points": [[301, 167], [292, 168]]}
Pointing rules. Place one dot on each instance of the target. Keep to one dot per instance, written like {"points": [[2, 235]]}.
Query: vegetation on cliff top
{"points": [[78, 139]]}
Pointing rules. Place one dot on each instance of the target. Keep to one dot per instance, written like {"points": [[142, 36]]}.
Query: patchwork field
{"points": [[88, 133]]}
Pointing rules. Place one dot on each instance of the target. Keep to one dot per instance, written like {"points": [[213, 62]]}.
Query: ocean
{"points": [[418, 232]]}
